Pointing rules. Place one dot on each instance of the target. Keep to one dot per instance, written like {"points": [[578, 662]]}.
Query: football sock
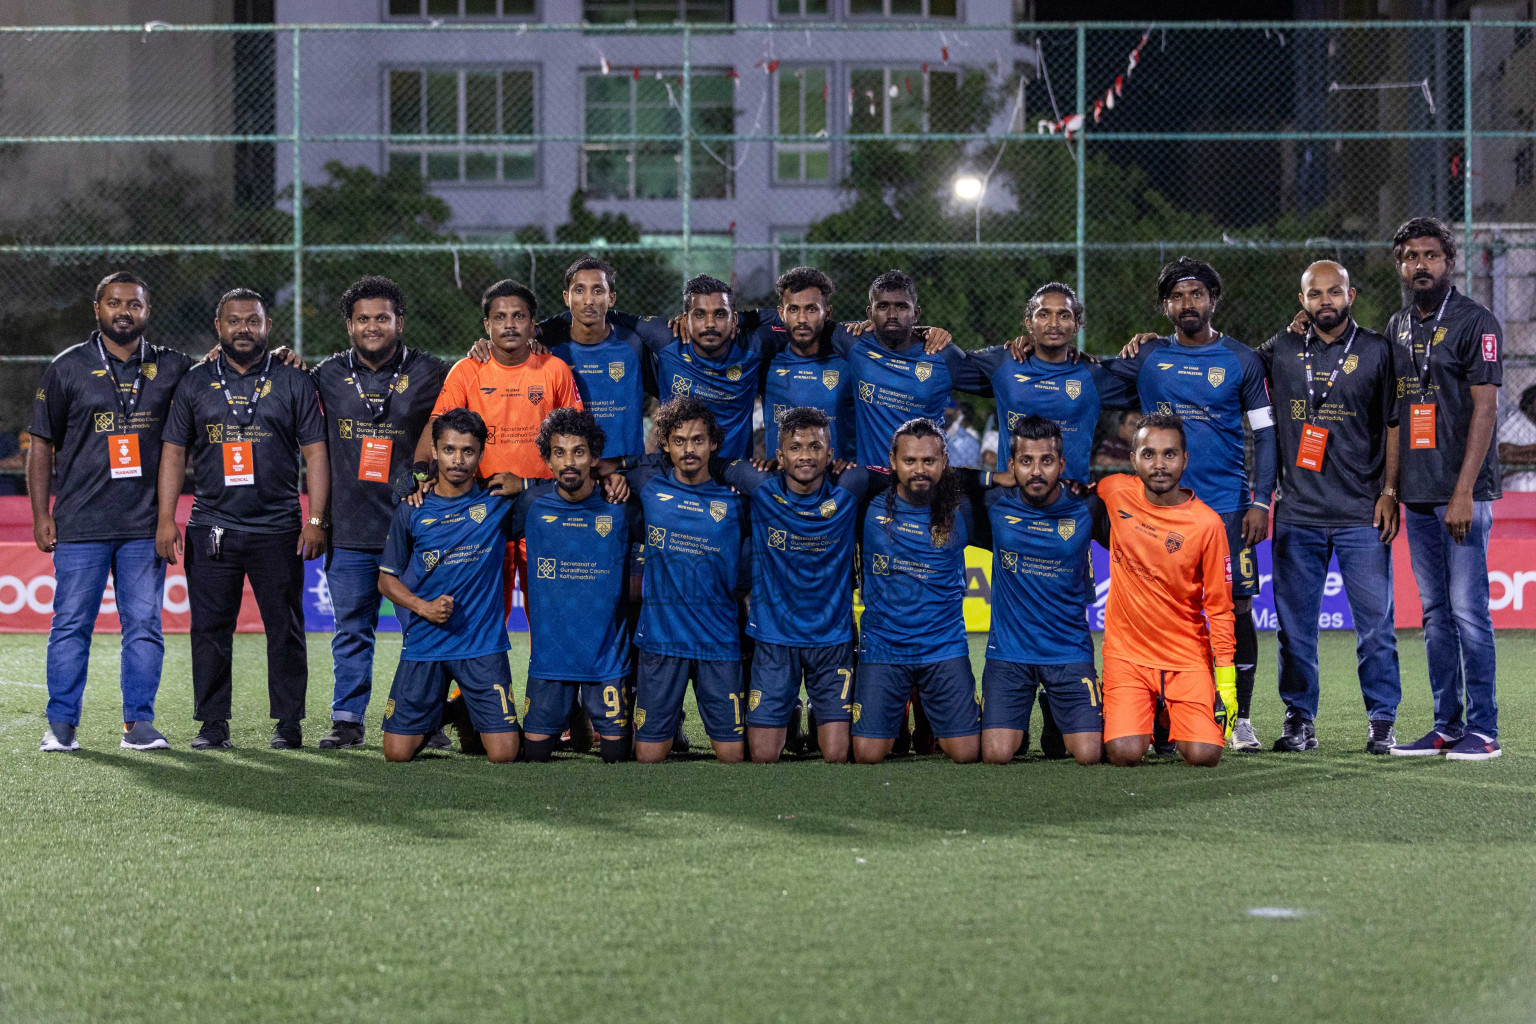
{"points": [[613, 750], [1247, 661], [538, 750]]}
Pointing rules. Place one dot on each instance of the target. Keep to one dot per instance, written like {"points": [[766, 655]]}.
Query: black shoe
{"points": [[1382, 737], [680, 742], [213, 735], [343, 736], [1162, 746], [811, 746], [456, 715], [581, 733], [287, 734], [439, 741], [1297, 733], [794, 735], [1052, 745]]}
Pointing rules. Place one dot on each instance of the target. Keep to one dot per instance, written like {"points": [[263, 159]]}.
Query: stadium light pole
{"points": [[971, 189]]}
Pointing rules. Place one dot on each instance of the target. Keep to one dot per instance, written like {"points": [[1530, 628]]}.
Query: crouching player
{"points": [[1041, 588], [1168, 625], [442, 567], [579, 615]]}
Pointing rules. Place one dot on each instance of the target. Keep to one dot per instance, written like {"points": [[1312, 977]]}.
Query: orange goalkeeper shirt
{"points": [[1170, 580], [513, 401]]}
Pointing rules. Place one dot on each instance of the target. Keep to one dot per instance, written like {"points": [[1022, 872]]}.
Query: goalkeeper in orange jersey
{"points": [[1168, 625]]}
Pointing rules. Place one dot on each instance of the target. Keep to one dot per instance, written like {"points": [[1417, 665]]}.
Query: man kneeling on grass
{"points": [[442, 567]]}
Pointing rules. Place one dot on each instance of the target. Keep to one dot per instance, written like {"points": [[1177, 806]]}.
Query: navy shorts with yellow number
{"points": [[1070, 691], [1245, 566], [415, 705], [662, 684], [547, 705], [776, 674], [948, 690]]}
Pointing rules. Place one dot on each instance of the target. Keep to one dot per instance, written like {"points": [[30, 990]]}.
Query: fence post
{"points": [[685, 180], [1082, 156], [298, 211], [1466, 160]]}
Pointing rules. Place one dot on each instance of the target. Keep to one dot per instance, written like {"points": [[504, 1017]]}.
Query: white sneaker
{"points": [[59, 737], [1243, 737]]}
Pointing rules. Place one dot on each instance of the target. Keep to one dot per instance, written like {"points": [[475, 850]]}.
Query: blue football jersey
{"points": [[913, 591], [610, 376], [455, 546], [891, 387], [1071, 394], [1211, 387], [1042, 582], [728, 384], [578, 556], [819, 382], [696, 556]]}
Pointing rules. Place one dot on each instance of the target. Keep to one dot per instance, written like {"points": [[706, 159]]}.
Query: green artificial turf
{"points": [[256, 885]]}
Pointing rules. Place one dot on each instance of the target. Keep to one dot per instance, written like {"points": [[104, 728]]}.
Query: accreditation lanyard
{"points": [[124, 407], [229, 400], [1314, 402], [1429, 342], [376, 414]]}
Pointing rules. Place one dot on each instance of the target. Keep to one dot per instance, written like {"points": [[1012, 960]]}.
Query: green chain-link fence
{"points": [[983, 159]]}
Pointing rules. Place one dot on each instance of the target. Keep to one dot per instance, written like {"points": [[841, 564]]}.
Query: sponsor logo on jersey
{"points": [[717, 510], [603, 525], [1014, 520], [1216, 375], [882, 565], [1066, 528], [215, 433], [1227, 566], [1010, 560], [1351, 363], [829, 379], [429, 558], [546, 568], [1173, 542], [616, 371], [776, 539], [1165, 366], [1013, 419], [104, 422], [1490, 348], [345, 427], [1074, 388], [656, 537], [663, 495], [681, 385], [1298, 408], [866, 391], [923, 371], [1165, 407], [477, 513]]}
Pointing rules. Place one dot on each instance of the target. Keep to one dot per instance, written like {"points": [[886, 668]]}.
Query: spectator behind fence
{"points": [[1517, 442]]}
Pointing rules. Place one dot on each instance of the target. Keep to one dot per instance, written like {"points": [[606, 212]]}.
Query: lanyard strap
{"points": [[374, 415], [229, 400], [124, 408], [1429, 342], [1314, 402]]}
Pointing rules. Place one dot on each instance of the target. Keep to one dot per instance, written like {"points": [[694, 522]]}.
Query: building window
{"points": [[648, 103], [904, 101], [460, 105], [802, 8], [904, 8], [655, 12], [802, 110], [463, 8]]}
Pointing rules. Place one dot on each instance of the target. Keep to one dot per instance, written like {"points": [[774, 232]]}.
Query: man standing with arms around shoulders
{"points": [[1448, 407], [1335, 390]]}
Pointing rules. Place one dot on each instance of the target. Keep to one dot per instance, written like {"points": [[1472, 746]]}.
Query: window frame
{"points": [[421, 5], [885, 93], [885, 12], [464, 143], [682, 11], [826, 15], [588, 146], [804, 148]]}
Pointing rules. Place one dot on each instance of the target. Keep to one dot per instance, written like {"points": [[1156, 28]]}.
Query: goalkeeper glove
{"points": [[1226, 699]]}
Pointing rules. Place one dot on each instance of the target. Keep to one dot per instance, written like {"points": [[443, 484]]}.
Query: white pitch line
{"points": [[35, 686]]}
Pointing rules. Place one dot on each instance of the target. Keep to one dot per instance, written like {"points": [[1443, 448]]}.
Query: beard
{"points": [[1331, 319], [115, 334], [921, 495]]}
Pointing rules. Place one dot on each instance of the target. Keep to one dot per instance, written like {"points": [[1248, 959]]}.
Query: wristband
{"points": [[422, 471]]}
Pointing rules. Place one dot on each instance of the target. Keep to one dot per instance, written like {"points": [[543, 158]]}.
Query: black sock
{"points": [[1247, 661], [538, 750], [613, 750]]}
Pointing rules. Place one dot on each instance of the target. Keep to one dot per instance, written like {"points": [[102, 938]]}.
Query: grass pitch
{"points": [[256, 885]]}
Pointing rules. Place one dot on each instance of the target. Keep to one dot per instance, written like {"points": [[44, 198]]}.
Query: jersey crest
{"points": [[733, 373], [616, 371], [1173, 542], [923, 371], [1216, 375], [717, 510], [1066, 528], [477, 513], [403, 383], [1351, 362], [829, 379], [536, 393], [1074, 388], [828, 508], [149, 371], [603, 524]]}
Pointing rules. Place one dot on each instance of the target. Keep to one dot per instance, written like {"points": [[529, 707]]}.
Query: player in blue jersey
{"points": [[801, 612], [1214, 383], [1041, 589], [913, 629], [1049, 383], [442, 567], [696, 565], [579, 613], [808, 374]]}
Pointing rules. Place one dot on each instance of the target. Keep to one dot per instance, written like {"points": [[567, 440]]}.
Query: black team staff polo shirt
{"points": [[78, 409], [1466, 347], [1356, 412], [287, 417], [400, 396]]}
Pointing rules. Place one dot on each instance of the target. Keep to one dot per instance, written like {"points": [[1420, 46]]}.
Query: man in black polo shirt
{"points": [[378, 395], [246, 417], [1334, 390], [96, 440], [1448, 406]]}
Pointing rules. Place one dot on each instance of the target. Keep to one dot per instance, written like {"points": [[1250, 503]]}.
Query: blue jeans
{"points": [[80, 579], [353, 579], [1458, 627], [1301, 556]]}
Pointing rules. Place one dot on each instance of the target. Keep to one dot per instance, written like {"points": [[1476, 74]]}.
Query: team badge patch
{"points": [[389, 708], [1216, 375], [104, 421], [536, 393], [403, 383], [1173, 542], [776, 539], [477, 513], [733, 373], [1010, 560], [828, 508], [546, 568], [1066, 528], [829, 379], [1298, 408], [345, 427], [429, 558], [603, 524], [1490, 348], [639, 718], [866, 392], [1439, 336], [923, 371], [681, 385], [882, 565], [754, 699], [717, 510], [215, 433], [1351, 363], [1074, 388], [656, 537], [150, 369], [266, 389], [1227, 565], [858, 711], [616, 371]]}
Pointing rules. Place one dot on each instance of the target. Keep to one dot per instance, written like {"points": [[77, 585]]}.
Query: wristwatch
{"points": [[313, 520], [1389, 492]]}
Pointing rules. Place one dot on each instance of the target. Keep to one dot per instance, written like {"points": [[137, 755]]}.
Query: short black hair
{"points": [[239, 295], [372, 286], [575, 423], [1054, 288], [704, 285], [504, 289], [684, 409], [893, 281], [804, 417], [1425, 227], [1164, 421], [591, 263], [1187, 267], [120, 277], [462, 421], [1035, 428], [799, 279]]}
